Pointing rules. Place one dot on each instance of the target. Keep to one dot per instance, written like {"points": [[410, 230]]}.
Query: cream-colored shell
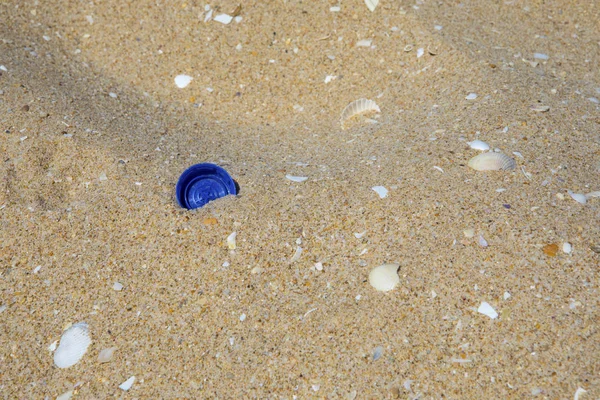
{"points": [[492, 162], [358, 107], [385, 277]]}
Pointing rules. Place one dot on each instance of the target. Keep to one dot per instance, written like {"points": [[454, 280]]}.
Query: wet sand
{"points": [[95, 134]]}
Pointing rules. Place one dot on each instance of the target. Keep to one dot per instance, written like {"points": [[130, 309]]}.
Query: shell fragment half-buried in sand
{"points": [[385, 277], [357, 107]]}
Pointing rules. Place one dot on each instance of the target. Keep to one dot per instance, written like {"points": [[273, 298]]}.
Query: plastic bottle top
{"points": [[202, 183]]}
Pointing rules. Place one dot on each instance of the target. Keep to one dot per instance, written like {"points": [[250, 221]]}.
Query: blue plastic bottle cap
{"points": [[202, 183]]}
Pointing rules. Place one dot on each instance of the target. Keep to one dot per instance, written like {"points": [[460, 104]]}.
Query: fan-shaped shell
{"points": [[492, 162], [385, 277], [358, 107], [74, 342]]}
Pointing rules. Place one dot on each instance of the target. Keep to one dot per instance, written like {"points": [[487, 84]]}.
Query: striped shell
{"points": [[492, 162], [73, 345], [358, 107]]}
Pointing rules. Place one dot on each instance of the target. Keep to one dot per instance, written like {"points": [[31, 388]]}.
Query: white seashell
{"points": [[127, 384], [53, 346], [182, 81], [578, 197], [377, 353], [567, 247], [106, 355], [359, 235], [381, 191], [479, 145], [223, 18], [231, 241], [73, 345], [578, 393], [296, 178], [540, 108], [364, 43], [492, 162], [385, 277], [482, 242], [65, 396], [296, 255], [371, 4], [469, 233], [471, 96], [488, 310], [592, 194], [358, 107]]}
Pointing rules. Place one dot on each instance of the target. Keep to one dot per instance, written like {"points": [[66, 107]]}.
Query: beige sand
{"points": [[307, 333]]}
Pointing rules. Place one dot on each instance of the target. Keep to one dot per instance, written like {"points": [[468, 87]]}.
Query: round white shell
{"points": [[73, 345], [385, 277], [492, 162], [479, 145]]}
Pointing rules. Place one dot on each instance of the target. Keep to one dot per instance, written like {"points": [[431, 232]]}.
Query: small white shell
{"points": [[385, 277], [358, 107], [381, 191], [182, 80], [567, 248], [492, 162], [231, 241], [486, 309], [127, 384], [106, 355], [371, 4], [479, 145], [578, 197], [73, 345], [296, 178], [592, 194]]}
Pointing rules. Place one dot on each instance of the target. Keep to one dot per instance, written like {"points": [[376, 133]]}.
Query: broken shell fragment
{"points": [[540, 108], [479, 145], [359, 106], [371, 4], [492, 162], [73, 345], [385, 277], [578, 197], [231, 241]]}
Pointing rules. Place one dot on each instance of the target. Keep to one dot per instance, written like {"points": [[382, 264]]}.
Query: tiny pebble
{"points": [[117, 286], [243, 317], [471, 96]]}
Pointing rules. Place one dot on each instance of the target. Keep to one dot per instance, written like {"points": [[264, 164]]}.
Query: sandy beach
{"points": [[499, 270]]}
